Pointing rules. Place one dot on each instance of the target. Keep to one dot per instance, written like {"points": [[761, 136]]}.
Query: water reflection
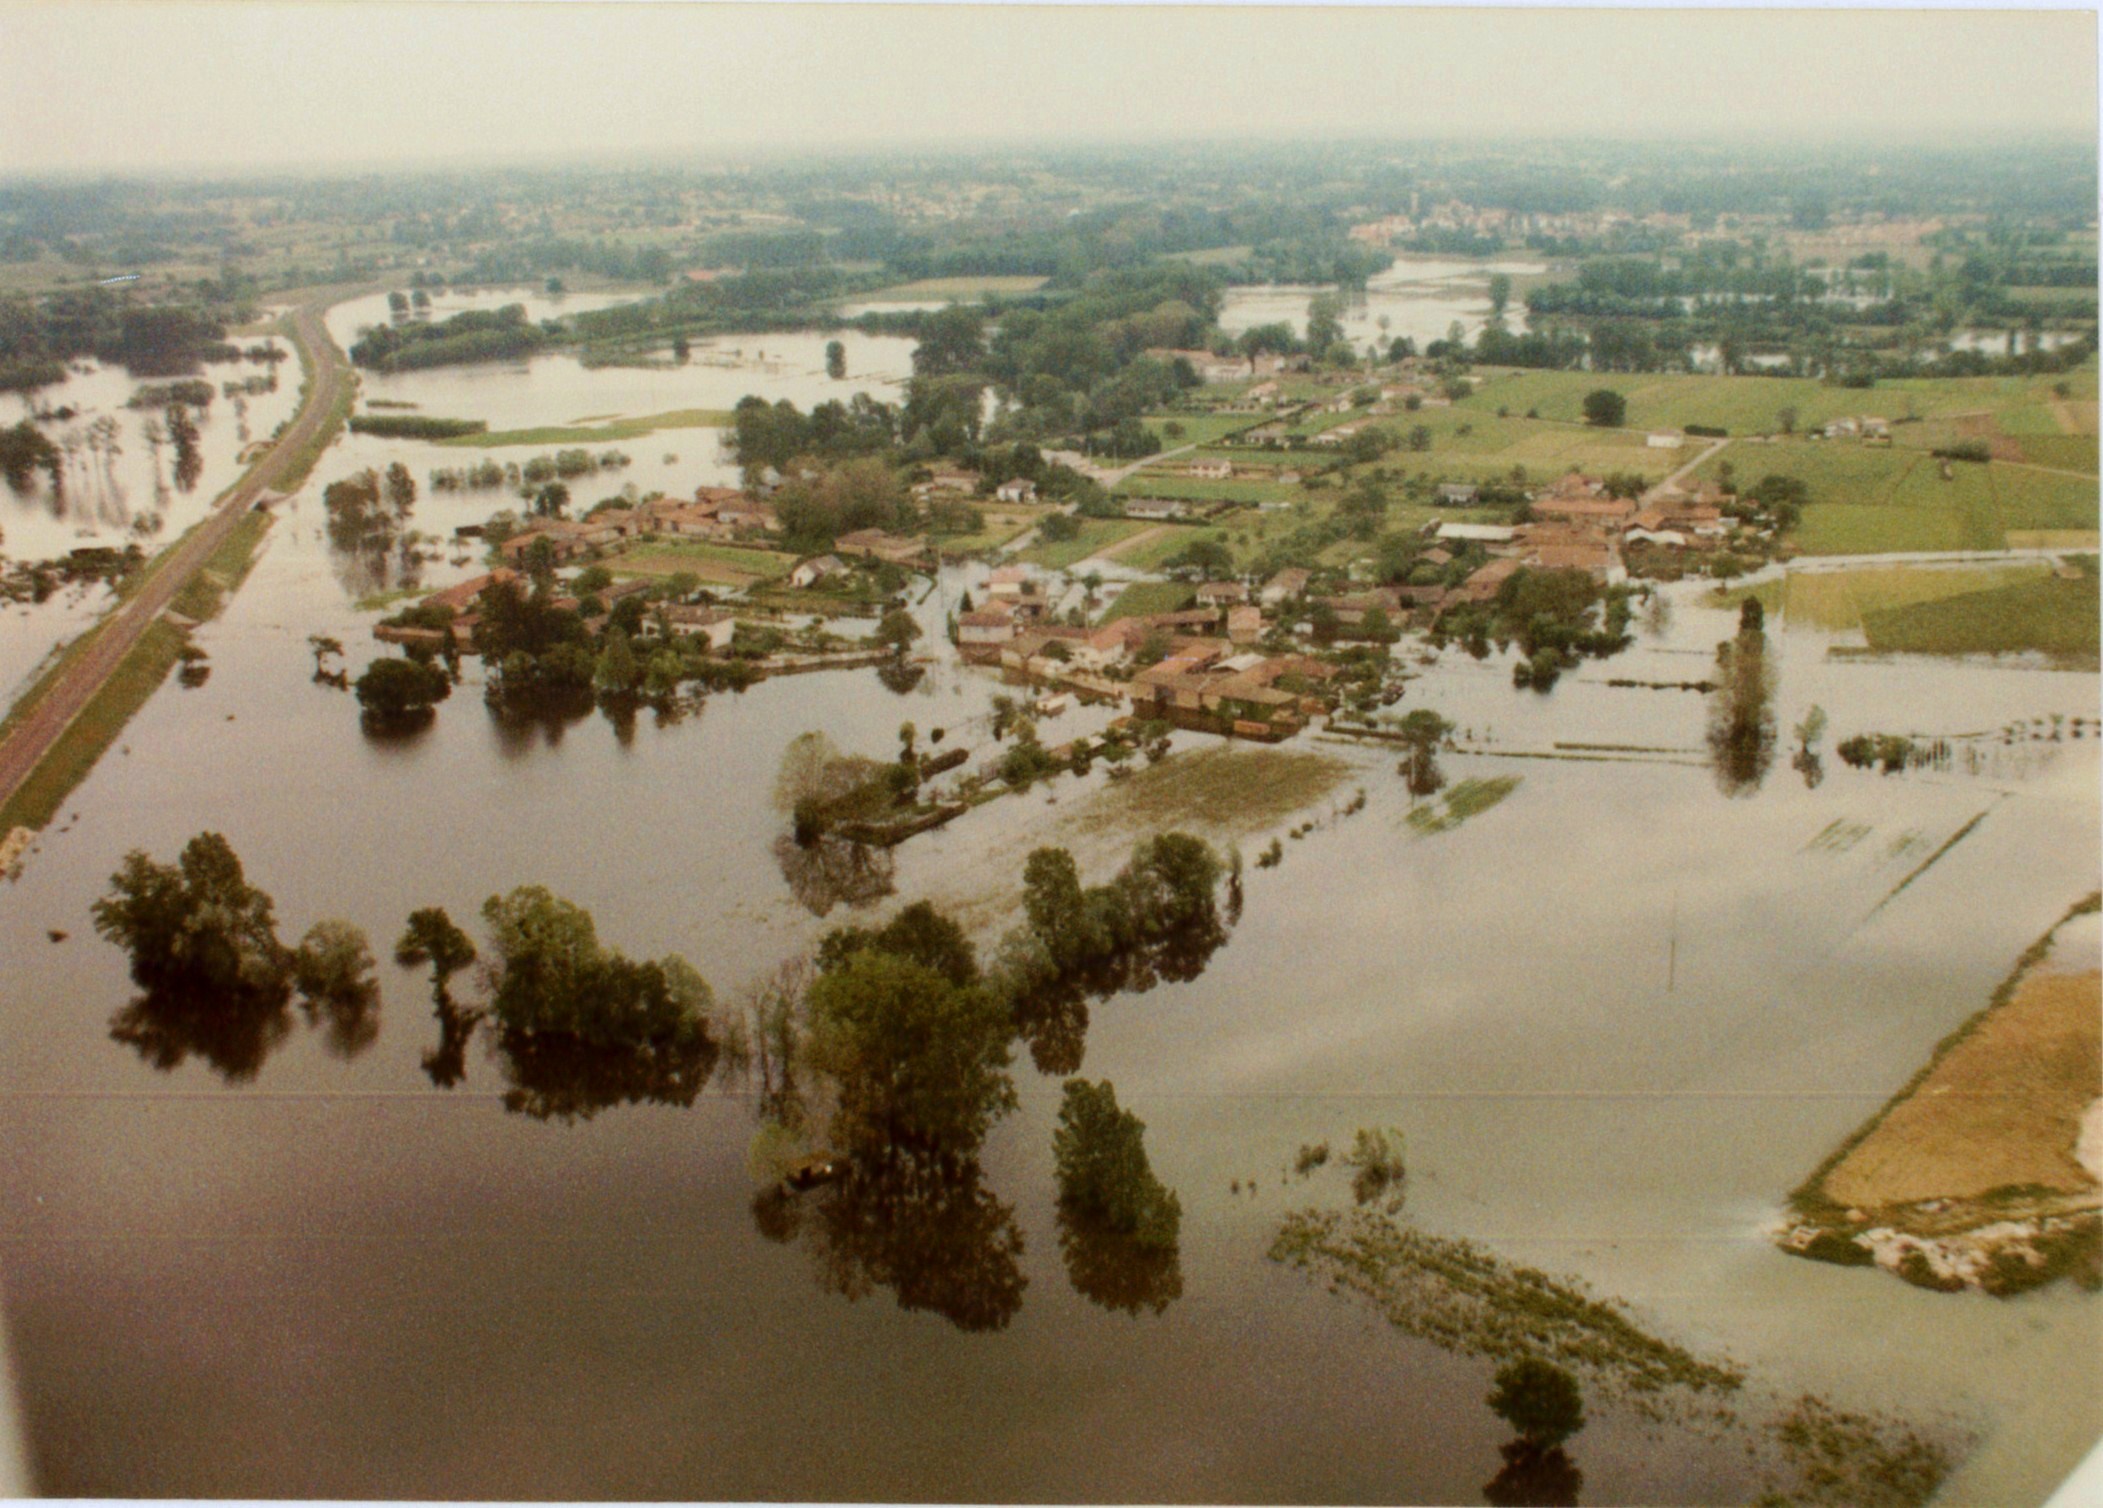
{"points": [[446, 1064], [233, 1031], [1051, 1017], [831, 872], [1534, 1476], [554, 1076], [922, 1225], [527, 722], [1116, 1271]]}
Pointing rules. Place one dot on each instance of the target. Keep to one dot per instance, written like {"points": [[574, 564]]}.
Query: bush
{"points": [[401, 691]]}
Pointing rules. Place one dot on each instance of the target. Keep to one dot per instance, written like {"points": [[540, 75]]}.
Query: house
{"points": [[1244, 623], [690, 621], [1480, 534], [1222, 593], [1664, 439], [1485, 583], [1594, 557], [1227, 694], [1594, 512], [816, 569], [1338, 435], [1459, 494], [981, 634], [459, 598], [1212, 471], [1155, 508], [564, 540], [1265, 393], [1012, 583], [1019, 490], [746, 514]]}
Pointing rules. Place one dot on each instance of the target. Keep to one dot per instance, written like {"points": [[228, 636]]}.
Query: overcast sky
{"points": [[103, 84]]}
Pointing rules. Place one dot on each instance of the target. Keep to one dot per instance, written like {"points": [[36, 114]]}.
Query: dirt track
{"points": [[31, 739]]}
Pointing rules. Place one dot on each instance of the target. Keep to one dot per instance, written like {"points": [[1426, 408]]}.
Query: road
{"points": [[1684, 471], [31, 739]]}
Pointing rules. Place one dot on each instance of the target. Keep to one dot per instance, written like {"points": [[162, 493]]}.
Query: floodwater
{"points": [[115, 498], [1616, 1017], [1419, 297]]}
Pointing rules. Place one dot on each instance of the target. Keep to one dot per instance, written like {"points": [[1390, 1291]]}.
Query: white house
{"points": [[1212, 471], [815, 570], [1017, 491], [1664, 439]]}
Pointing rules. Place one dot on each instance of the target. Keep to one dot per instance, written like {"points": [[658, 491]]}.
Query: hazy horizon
{"points": [[126, 88]]}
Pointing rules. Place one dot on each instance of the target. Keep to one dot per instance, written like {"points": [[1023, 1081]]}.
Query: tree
{"points": [[1058, 528], [1057, 909], [1099, 1151], [1538, 1399], [197, 922], [616, 673], [397, 693], [333, 968], [682, 349], [917, 1060], [1500, 294], [1785, 419], [401, 488], [1605, 409], [835, 360], [432, 937], [897, 629], [549, 974]]}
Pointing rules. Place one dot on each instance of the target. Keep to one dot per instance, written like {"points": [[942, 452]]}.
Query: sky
{"points": [[101, 85]]}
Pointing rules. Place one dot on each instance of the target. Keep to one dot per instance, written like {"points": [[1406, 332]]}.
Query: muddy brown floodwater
{"points": [[1616, 1017]]}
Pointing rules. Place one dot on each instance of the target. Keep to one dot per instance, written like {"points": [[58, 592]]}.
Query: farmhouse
{"points": [[1155, 508], [1459, 494], [1664, 439], [1018, 490], [1222, 593], [816, 569], [1212, 471]]}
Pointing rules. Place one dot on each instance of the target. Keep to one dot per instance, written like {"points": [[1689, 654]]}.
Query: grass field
{"points": [[2000, 1110], [1001, 525], [597, 434], [956, 288], [1225, 791], [1841, 599], [1753, 405], [1096, 534], [725, 565], [1868, 500], [2052, 616], [1144, 597], [1199, 429]]}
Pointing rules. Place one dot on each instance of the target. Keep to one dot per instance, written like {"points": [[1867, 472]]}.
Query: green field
{"points": [[1753, 405], [2054, 616], [1843, 599], [598, 434], [1142, 598], [1001, 525], [1096, 534], [1868, 500], [957, 288], [724, 564], [1199, 429]]}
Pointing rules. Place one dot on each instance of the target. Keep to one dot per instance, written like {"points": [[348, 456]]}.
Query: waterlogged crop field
{"points": [[1871, 500]]}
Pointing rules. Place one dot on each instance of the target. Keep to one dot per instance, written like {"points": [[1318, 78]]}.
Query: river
{"points": [[1616, 1017]]}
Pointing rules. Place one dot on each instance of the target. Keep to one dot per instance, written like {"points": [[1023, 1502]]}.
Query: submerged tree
{"points": [[218, 982], [1118, 1224], [1538, 1399], [1741, 709], [1422, 733]]}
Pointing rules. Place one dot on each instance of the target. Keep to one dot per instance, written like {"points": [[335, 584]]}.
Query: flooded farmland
{"points": [[1615, 1017]]}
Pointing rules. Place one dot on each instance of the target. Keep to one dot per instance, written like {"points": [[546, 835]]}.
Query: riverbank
{"points": [[1971, 1177]]}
